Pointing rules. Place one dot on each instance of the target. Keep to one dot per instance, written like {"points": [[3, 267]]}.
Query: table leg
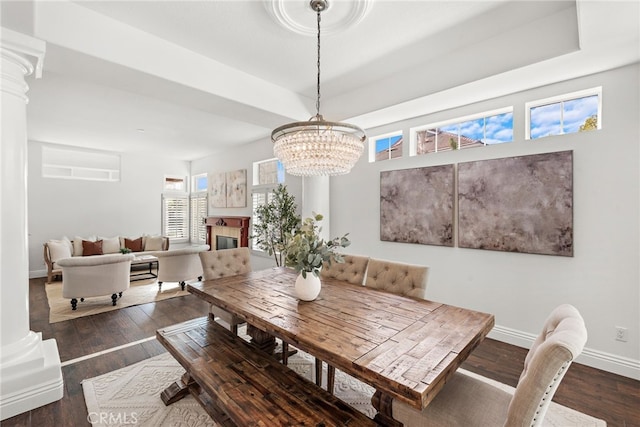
{"points": [[177, 390], [383, 404], [261, 340]]}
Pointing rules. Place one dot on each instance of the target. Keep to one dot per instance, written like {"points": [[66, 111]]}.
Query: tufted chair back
{"points": [[351, 270], [225, 262], [403, 279], [562, 339]]}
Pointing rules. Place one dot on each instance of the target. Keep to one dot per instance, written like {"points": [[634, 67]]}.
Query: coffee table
{"points": [[140, 260]]}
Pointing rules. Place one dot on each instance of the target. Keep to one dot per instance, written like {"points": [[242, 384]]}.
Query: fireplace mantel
{"points": [[239, 222]]}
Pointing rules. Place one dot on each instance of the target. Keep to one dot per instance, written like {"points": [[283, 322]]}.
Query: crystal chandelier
{"points": [[318, 147]]}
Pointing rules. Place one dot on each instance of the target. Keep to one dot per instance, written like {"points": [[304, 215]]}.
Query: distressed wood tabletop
{"points": [[406, 348]]}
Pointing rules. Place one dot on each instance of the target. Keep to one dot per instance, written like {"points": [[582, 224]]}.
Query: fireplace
{"points": [[226, 242], [227, 232]]}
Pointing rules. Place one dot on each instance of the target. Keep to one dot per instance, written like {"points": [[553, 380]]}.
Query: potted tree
{"points": [[275, 220], [306, 252]]}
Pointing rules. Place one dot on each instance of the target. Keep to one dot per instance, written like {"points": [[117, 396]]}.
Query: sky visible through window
{"points": [[383, 144], [490, 130], [562, 117]]}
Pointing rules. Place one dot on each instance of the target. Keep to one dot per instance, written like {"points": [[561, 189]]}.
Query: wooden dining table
{"points": [[405, 348]]}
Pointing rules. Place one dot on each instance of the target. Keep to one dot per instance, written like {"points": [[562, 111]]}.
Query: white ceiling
{"points": [[199, 76]]}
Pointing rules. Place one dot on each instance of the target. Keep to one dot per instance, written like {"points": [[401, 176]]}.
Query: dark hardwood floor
{"points": [[614, 398]]}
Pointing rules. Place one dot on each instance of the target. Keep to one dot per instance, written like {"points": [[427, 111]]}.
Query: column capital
{"points": [[19, 47]]}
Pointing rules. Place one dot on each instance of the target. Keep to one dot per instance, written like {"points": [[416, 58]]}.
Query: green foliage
{"points": [[591, 123], [307, 251], [275, 220]]}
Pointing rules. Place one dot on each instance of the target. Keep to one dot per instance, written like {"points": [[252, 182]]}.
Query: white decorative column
{"points": [[316, 198], [30, 370]]}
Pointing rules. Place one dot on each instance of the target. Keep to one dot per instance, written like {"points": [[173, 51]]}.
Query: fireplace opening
{"points": [[224, 242]]}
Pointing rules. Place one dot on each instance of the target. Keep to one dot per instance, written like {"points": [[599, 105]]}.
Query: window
{"points": [[569, 113], [479, 130], [385, 147], [175, 183], [267, 175], [199, 183], [175, 216], [268, 172], [69, 163], [198, 209]]}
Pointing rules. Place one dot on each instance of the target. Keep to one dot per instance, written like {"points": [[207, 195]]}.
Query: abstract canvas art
{"points": [[517, 204], [237, 189], [217, 190], [416, 205]]}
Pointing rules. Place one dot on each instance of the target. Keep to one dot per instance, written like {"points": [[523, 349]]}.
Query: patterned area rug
{"points": [[132, 396], [140, 292]]}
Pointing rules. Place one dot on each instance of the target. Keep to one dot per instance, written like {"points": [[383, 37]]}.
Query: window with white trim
{"points": [[385, 147], [175, 208], [569, 113], [175, 217], [267, 175], [198, 209], [478, 130]]}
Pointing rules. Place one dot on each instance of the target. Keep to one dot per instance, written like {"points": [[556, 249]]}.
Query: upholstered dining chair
{"points": [[404, 279], [352, 270], [467, 401], [224, 263]]}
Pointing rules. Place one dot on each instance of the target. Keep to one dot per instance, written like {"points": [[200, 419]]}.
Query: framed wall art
{"points": [[217, 190], [416, 205], [517, 204], [237, 188]]}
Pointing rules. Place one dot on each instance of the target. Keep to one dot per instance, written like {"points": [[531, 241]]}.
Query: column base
{"points": [[31, 382]]}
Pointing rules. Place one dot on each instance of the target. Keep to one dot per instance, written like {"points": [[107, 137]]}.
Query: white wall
{"points": [[65, 207], [601, 279]]}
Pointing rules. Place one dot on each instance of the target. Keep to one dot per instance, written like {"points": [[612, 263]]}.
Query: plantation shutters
{"points": [[175, 217], [198, 216]]}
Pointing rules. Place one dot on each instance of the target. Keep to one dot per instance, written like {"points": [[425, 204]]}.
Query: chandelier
{"points": [[318, 147]]}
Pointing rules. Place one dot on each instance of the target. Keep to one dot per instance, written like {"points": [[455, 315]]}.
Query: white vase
{"points": [[309, 288]]}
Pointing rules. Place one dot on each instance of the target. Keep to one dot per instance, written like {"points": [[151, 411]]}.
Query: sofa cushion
{"points": [[153, 243], [77, 244], [59, 249], [91, 248], [110, 245], [134, 244]]}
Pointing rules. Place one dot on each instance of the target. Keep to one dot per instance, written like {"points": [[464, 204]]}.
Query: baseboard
{"points": [[36, 274], [596, 359]]}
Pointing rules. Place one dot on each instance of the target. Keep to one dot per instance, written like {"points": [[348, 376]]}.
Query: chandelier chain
{"points": [[318, 64]]}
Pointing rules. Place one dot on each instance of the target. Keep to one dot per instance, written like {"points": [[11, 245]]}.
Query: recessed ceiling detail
{"points": [[299, 17]]}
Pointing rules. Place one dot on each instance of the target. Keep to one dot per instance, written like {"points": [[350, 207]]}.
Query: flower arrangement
{"points": [[125, 251], [307, 251]]}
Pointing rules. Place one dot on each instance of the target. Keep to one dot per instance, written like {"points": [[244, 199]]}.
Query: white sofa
{"points": [[94, 276], [56, 250]]}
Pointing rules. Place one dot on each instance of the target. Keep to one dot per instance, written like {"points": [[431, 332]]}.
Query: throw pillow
{"points": [[110, 245], [59, 249], [77, 244], [91, 248], [153, 243], [135, 245]]}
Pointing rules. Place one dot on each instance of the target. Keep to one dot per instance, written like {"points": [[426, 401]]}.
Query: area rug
{"points": [[132, 396], [140, 292]]}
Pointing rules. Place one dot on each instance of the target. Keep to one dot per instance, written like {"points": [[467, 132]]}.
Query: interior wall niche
{"points": [[416, 205], [517, 204]]}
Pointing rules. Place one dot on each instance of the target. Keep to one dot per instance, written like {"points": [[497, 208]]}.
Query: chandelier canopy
{"points": [[318, 147]]}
